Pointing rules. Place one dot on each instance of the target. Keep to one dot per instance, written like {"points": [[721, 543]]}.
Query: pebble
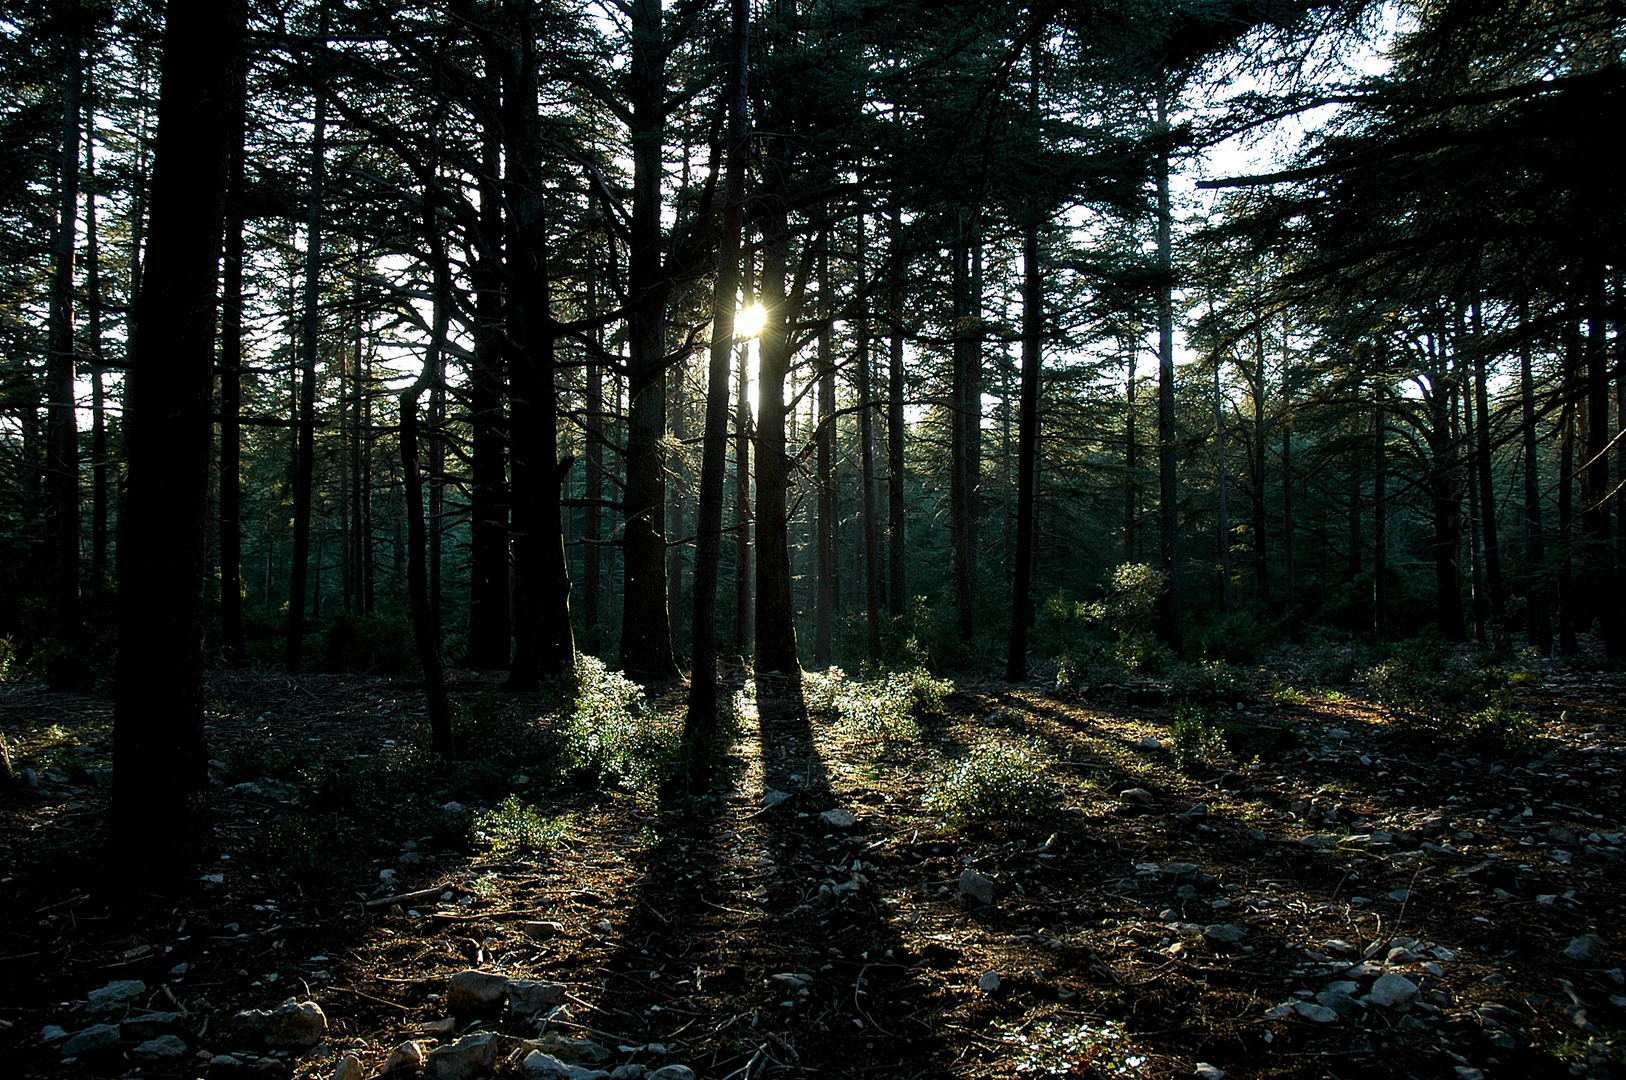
{"points": [[1320, 1014], [52, 1032], [976, 886], [989, 983], [529, 997], [774, 798], [1224, 933], [115, 994], [542, 931], [91, 1039], [1205, 1071], [1137, 795], [838, 819], [671, 1072], [475, 993], [291, 1025], [462, 1060], [349, 1068], [1400, 896], [1391, 990], [163, 1048], [1586, 948], [407, 1055]]}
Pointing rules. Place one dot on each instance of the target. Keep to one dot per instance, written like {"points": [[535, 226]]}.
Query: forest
{"points": [[673, 539]]}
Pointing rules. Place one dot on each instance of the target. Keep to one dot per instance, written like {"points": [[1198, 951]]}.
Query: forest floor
{"points": [[1247, 918]]}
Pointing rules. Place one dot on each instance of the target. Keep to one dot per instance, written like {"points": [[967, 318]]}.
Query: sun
{"points": [[749, 322]]}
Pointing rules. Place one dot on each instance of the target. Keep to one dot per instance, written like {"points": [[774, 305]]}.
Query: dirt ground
{"points": [[1240, 916]]}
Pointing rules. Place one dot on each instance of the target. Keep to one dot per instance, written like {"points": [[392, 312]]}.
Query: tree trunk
{"points": [[646, 634], [1567, 621], [305, 426], [489, 617], [963, 429], [1471, 428], [1167, 432], [1224, 522], [1290, 600], [828, 599], [159, 818], [775, 621], [62, 526], [94, 308], [1447, 499], [744, 596], [544, 646], [1131, 457], [1487, 496], [1380, 519], [873, 598], [1256, 487], [425, 630], [1538, 588], [897, 591], [1598, 554], [700, 723], [1027, 449], [231, 384]]}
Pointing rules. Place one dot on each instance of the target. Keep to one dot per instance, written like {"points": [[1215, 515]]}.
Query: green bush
{"points": [[886, 709], [1195, 739], [1437, 699], [517, 826], [614, 734], [995, 782], [1210, 680], [1126, 615]]}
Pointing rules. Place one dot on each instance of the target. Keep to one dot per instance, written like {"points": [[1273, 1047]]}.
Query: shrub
{"points": [[1194, 739], [1126, 613], [517, 826], [614, 734], [1210, 680], [1437, 700], [996, 782], [886, 709]]}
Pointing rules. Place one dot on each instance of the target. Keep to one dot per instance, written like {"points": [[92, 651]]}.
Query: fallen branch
{"points": [[401, 898]]}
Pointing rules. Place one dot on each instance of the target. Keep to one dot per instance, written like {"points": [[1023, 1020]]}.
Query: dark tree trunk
{"points": [[963, 428], [646, 633], [231, 385], [871, 544], [1167, 433], [425, 629], [744, 579], [1380, 519], [489, 628], [1256, 463], [1027, 452], [543, 643], [1290, 600], [1598, 550], [1538, 585], [829, 594], [310, 331], [1567, 621], [700, 723], [775, 616], [592, 513], [1487, 496], [159, 819], [1471, 427], [1223, 524], [1131, 458], [1443, 476], [62, 526], [94, 308], [897, 591]]}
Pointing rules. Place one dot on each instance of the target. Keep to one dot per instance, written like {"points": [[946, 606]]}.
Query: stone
{"points": [[407, 1055], [773, 798], [1198, 812], [475, 993], [95, 1038], [1137, 795], [1319, 1014], [52, 1032], [838, 819], [1397, 956], [671, 1072], [542, 931], [163, 1048], [791, 980], [976, 886], [349, 1068], [1562, 834], [989, 983], [1149, 742], [1400, 896], [1178, 869], [1205, 1071], [1391, 990], [291, 1025], [151, 1025], [115, 995], [464, 1059], [628, 1072], [1339, 1001], [1224, 933], [1586, 948], [530, 997], [579, 1050]]}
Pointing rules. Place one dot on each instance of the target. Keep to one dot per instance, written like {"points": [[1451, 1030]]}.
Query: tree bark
{"points": [[1538, 588], [544, 646], [1224, 521], [1567, 621], [646, 633], [744, 578], [425, 631], [1027, 450], [829, 594], [897, 591], [963, 428], [1380, 518], [1443, 476], [1167, 433], [874, 599], [775, 616], [1487, 494], [310, 331], [159, 818], [95, 306], [231, 384], [1598, 553], [62, 526], [1290, 599]]}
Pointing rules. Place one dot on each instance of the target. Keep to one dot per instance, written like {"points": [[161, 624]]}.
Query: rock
{"points": [[989, 983], [628, 1072], [1205, 1071], [151, 1025], [1586, 948], [540, 1066], [225, 1061], [51, 1033], [542, 931], [92, 1039], [1178, 870], [976, 886], [291, 1025], [838, 819], [1320, 1014], [1137, 795], [1391, 990], [1198, 812], [115, 995], [1149, 742], [1224, 933], [475, 993], [408, 1055], [1337, 734], [1467, 1072], [774, 798], [464, 1059], [349, 1068], [1339, 1001], [579, 1050], [671, 1072], [529, 997], [1399, 956], [1400, 896], [163, 1048], [1562, 834], [791, 980]]}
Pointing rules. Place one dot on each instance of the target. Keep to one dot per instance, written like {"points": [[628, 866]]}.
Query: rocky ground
{"points": [[1348, 905]]}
